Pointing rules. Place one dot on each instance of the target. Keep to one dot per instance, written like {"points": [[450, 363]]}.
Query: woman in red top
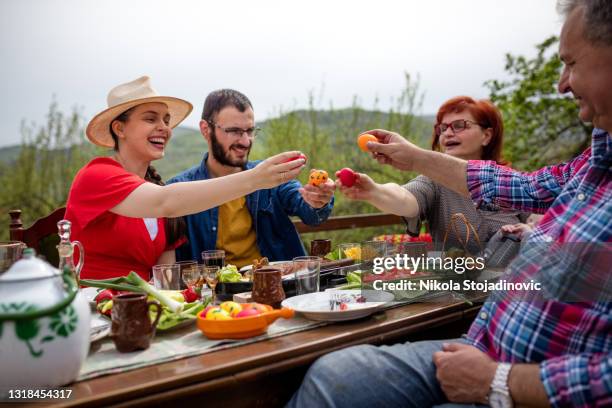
{"points": [[119, 208]]}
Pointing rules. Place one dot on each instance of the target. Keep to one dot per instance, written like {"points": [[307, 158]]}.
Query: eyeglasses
{"points": [[457, 126], [237, 132]]}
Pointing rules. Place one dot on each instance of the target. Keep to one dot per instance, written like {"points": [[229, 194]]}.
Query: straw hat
{"points": [[126, 96]]}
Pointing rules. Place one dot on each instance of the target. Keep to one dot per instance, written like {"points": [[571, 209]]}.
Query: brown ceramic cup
{"points": [[320, 247], [268, 286], [131, 327]]}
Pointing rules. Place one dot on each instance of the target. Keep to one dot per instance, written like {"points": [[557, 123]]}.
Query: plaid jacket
{"points": [[570, 340]]}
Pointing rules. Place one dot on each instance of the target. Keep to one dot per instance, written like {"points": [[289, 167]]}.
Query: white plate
{"points": [[90, 294], [100, 327], [315, 306], [249, 267]]}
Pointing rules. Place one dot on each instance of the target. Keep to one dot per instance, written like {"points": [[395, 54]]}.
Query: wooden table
{"points": [[266, 373]]}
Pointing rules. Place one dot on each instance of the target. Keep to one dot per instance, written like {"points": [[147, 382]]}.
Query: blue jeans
{"points": [[402, 375]]}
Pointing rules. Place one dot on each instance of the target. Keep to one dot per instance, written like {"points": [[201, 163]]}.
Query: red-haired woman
{"points": [[465, 128]]}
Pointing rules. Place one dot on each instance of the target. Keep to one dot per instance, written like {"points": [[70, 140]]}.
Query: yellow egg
{"points": [[232, 308], [216, 313]]}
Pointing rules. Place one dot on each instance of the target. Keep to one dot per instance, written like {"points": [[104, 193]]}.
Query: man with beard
{"points": [[256, 225]]}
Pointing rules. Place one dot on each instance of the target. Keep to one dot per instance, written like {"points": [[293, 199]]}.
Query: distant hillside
{"points": [[188, 146]]}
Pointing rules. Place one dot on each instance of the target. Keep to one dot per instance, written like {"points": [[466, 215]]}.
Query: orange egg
{"points": [[363, 140], [317, 177]]}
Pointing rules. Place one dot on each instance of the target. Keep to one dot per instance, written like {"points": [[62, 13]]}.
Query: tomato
{"points": [[347, 177], [363, 140]]}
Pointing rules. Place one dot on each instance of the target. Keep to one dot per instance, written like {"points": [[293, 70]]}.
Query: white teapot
{"points": [[44, 326]]}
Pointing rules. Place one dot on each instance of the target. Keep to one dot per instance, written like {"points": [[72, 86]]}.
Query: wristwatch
{"points": [[499, 395]]}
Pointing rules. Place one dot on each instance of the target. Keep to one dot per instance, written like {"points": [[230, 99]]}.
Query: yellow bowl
{"points": [[242, 327]]}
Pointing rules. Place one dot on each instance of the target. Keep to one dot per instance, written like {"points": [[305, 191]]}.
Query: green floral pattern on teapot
{"points": [[62, 324]]}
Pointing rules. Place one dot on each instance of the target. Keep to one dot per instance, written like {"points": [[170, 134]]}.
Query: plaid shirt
{"points": [[571, 341]]}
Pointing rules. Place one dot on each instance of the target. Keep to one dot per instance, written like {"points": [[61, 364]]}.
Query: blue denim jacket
{"points": [[270, 209]]}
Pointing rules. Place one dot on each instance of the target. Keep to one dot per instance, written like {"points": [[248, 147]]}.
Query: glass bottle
{"points": [[66, 249]]}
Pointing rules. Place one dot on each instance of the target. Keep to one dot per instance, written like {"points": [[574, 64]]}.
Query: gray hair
{"points": [[597, 18]]}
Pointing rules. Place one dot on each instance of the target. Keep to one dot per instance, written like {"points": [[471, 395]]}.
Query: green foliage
{"points": [[329, 140], [185, 150], [38, 179], [541, 127]]}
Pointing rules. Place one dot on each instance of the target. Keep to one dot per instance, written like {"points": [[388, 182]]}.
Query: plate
{"points": [[90, 295], [316, 306], [99, 328]]}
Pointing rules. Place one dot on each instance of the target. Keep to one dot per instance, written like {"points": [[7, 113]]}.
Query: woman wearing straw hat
{"points": [[121, 211]]}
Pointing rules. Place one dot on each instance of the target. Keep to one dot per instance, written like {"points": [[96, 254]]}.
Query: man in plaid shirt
{"points": [[535, 353]]}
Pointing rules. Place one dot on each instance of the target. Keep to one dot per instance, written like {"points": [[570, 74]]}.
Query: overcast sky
{"points": [[273, 51]]}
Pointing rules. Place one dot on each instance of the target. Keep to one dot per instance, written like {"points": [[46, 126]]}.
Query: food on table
{"points": [[168, 319], [261, 308], [176, 307], [353, 281], [363, 140], [247, 313], [228, 310], [340, 301], [229, 273], [347, 177], [232, 308], [248, 323], [317, 177], [190, 295], [134, 283], [285, 267], [216, 313], [353, 252], [104, 301], [260, 263]]}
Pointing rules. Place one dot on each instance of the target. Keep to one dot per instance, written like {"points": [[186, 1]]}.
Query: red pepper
{"points": [[106, 294], [189, 295], [424, 235]]}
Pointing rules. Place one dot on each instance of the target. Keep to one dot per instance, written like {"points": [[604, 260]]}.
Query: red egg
{"points": [[300, 156], [347, 177], [247, 313]]}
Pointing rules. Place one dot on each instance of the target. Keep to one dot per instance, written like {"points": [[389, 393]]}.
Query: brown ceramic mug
{"points": [[268, 286], [320, 247], [131, 327]]}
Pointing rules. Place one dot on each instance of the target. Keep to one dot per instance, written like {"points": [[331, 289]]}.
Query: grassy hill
{"points": [[188, 146]]}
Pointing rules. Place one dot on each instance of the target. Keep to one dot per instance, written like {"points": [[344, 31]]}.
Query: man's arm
{"points": [[465, 374], [489, 185], [579, 380], [294, 204]]}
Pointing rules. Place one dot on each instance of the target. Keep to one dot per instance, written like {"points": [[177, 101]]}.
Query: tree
{"points": [[38, 180], [541, 126]]}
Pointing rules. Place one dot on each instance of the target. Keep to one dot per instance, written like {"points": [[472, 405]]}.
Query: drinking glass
{"points": [[215, 257], [167, 276], [211, 274], [192, 276], [187, 266], [307, 270]]}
